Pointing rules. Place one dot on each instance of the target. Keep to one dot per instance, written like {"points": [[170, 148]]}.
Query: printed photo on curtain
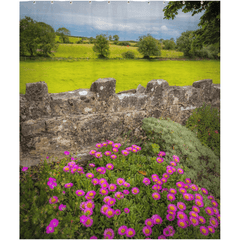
{"points": [[119, 119]]}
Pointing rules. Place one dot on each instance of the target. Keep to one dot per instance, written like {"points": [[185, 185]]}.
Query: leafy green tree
{"points": [[169, 44], [115, 38], [63, 34], [209, 32], [110, 37], [91, 40], [101, 46], [46, 38], [34, 35], [28, 36], [184, 43], [149, 46]]}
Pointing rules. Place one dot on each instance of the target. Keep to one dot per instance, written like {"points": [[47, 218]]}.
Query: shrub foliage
{"points": [[205, 123], [128, 54], [200, 163]]}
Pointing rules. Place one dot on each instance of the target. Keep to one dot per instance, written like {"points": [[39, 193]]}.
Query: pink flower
{"points": [[93, 237], [209, 211], [214, 203], [172, 207], [180, 171], [135, 190], [68, 185], [113, 156], [91, 193], [104, 144], [194, 221], [149, 222], [50, 229], [161, 154], [166, 232], [120, 181], [126, 210], [103, 191], [91, 164], [182, 223], [156, 196], [80, 192], [98, 145], [181, 206], [115, 150], [88, 222], [110, 212], [194, 187], [66, 153], [175, 158], [204, 230], [147, 231], [62, 207], [156, 219], [104, 185], [173, 191], [110, 232], [181, 215], [201, 219], [107, 153], [112, 187], [122, 230], [173, 163], [170, 217], [159, 160], [213, 221], [146, 181], [204, 191], [125, 192], [89, 175], [117, 211], [94, 181], [188, 180], [171, 197], [98, 154], [130, 232], [110, 166], [24, 169], [92, 152], [53, 200], [119, 195], [110, 142], [125, 152]]}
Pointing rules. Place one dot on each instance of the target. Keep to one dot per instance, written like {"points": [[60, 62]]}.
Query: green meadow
{"points": [[86, 51], [62, 76]]}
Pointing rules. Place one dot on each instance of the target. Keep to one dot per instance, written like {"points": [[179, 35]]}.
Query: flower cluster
{"points": [[175, 209], [115, 149]]}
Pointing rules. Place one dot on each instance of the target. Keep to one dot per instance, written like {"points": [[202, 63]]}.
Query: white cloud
{"points": [[164, 28]]}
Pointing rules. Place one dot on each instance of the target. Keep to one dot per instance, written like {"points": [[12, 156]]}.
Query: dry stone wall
{"points": [[74, 121]]}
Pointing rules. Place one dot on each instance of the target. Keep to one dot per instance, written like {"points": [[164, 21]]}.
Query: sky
{"points": [[128, 21]]}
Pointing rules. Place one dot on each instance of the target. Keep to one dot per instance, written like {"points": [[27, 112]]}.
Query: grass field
{"points": [[62, 76], [86, 51]]}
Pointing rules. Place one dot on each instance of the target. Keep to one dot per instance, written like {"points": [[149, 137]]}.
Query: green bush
{"points": [[205, 123], [123, 43], [199, 162], [128, 54]]}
